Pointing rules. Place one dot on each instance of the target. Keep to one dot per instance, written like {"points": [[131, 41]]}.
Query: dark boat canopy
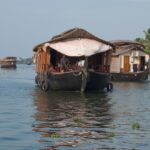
{"points": [[123, 46], [76, 42]]}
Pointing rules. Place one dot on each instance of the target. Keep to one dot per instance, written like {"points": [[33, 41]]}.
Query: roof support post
{"points": [[84, 75]]}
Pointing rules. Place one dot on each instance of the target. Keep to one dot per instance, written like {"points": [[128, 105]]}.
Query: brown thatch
{"points": [[74, 34], [124, 46], [9, 59]]}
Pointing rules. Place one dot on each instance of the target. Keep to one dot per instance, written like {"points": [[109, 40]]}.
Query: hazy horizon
{"points": [[26, 23]]}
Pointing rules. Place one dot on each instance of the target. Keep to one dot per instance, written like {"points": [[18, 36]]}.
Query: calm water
{"points": [[33, 120]]}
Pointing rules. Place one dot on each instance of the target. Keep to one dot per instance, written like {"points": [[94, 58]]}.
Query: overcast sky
{"points": [[26, 23]]}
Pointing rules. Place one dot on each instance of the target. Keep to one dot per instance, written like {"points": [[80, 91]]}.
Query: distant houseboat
{"points": [[86, 57], [128, 63], [8, 62]]}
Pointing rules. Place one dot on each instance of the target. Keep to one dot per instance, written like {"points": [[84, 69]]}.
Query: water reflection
{"points": [[66, 121], [70, 119]]}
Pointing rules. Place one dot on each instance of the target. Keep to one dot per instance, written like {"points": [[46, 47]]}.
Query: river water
{"points": [[33, 120]]}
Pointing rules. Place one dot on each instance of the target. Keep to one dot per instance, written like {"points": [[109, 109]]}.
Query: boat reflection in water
{"points": [[70, 119]]}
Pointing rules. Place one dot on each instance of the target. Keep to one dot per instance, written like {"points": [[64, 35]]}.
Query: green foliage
{"points": [[145, 41], [135, 126], [77, 120], [55, 135], [110, 134], [140, 40]]}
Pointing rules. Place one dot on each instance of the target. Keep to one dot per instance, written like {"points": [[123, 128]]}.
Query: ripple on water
{"points": [[31, 119]]}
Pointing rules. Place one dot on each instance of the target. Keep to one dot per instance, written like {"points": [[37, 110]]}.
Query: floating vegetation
{"points": [[110, 134], [136, 126], [78, 120], [55, 135]]}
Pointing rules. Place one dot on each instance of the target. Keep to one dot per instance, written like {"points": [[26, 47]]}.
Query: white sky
{"points": [[26, 23]]}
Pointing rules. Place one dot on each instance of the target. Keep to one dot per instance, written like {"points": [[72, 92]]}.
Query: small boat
{"points": [[129, 62], [8, 62], [86, 67]]}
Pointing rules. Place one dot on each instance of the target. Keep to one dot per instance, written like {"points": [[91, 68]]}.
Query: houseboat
{"points": [[8, 62], [129, 62], [74, 60]]}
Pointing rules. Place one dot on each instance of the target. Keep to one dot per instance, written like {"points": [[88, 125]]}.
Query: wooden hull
{"points": [[65, 81], [8, 66], [97, 81], [135, 76], [74, 81]]}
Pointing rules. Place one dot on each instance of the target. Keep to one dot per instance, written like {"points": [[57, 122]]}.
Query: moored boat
{"points": [[8, 62], [129, 62], [86, 62]]}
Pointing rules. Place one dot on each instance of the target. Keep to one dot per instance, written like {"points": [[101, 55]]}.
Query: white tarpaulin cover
{"points": [[79, 47]]}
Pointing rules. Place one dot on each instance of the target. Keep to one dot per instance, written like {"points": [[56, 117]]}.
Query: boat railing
{"points": [[50, 68], [102, 68]]}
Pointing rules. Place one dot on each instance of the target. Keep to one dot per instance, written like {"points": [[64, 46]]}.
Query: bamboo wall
{"points": [[42, 61], [102, 60]]}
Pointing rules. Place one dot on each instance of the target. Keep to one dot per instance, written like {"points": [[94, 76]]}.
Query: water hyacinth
{"points": [[55, 135], [135, 126]]}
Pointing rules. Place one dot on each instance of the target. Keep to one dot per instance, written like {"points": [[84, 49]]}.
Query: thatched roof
{"points": [[76, 33], [124, 46], [9, 59], [72, 37]]}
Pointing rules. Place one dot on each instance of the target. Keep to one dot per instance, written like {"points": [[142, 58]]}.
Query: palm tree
{"points": [[145, 40]]}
